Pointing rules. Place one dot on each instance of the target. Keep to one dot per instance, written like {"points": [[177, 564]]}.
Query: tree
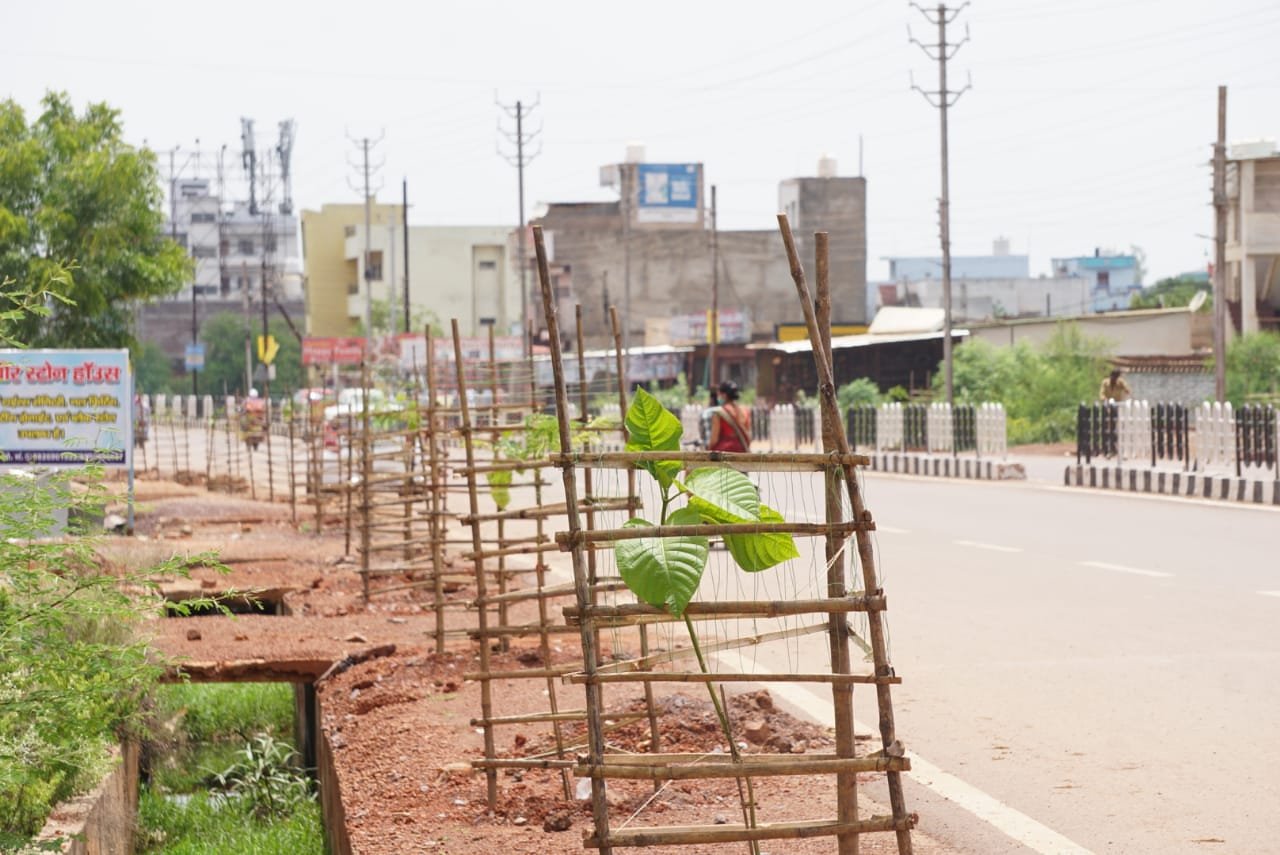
{"points": [[1173, 291], [380, 312], [81, 207], [152, 371], [224, 336], [1253, 368]]}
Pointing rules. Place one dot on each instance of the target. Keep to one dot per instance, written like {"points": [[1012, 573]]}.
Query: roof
{"points": [[646, 350], [1092, 316], [906, 319], [843, 342]]}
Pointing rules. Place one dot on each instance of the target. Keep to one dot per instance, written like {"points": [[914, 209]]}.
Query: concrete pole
{"points": [[1220, 251]]}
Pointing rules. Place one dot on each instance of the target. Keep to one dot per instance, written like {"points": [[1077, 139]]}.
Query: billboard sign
{"points": [[332, 351], [65, 408], [195, 357], [667, 193]]}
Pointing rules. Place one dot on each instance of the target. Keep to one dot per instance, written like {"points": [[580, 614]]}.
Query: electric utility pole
{"points": [[404, 222], [369, 192], [943, 99], [521, 159], [1220, 251]]}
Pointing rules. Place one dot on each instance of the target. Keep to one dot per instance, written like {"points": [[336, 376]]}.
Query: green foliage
{"points": [[1253, 368], [666, 571], [1174, 291], [673, 397], [652, 427], [380, 312], [1040, 387], [541, 433], [80, 215], [224, 336], [213, 712], [266, 778], [152, 371], [858, 393], [73, 672], [208, 824]]}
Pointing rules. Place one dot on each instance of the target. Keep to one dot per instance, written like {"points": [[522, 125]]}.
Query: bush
{"points": [[1253, 368], [860, 392]]}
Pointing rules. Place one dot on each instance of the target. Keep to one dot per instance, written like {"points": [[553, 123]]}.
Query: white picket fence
{"points": [[940, 428], [1133, 430], [992, 430], [890, 422], [1215, 437]]}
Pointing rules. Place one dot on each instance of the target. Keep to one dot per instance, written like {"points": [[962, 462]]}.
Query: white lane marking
{"points": [[1000, 816], [991, 546], [1120, 568], [1270, 593], [888, 529]]}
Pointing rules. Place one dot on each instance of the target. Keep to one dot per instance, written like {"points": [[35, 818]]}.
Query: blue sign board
{"points": [[65, 407], [667, 192], [195, 357]]}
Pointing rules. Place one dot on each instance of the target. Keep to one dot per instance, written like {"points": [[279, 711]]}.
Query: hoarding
{"points": [[65, 407], [332, 351], [667, 193]]}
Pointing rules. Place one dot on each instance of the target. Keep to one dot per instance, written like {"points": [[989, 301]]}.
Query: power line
{"points": [[522, 158], [943, 99]]}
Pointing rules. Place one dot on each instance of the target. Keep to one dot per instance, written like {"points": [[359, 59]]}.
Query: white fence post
{"points": [[991, 431], [782, 427], [940, 426], [889, 427], [690, 421]]}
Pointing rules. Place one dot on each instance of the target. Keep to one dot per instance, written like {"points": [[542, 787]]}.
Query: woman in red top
{"points": [[730, 422]]}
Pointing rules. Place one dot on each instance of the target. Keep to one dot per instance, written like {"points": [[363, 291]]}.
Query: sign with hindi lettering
{"points": [[65, 408]]}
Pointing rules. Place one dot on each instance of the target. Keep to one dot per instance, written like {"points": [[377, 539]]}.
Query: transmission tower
{"points": [[943, 99], [367, 171], [522, 158]]}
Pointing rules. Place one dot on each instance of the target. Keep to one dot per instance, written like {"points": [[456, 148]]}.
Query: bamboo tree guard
{"points": [[502, 630], [838, 466]]}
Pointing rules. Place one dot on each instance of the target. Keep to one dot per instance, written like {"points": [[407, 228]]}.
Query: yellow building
{"points": [[462, 272]]}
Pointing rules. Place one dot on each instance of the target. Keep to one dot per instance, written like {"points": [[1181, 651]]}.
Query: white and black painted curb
{"points": [[941, 466], [1165, 483]]}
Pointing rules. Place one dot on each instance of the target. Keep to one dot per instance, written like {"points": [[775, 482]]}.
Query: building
{"points": [[656, 244], [1111, 279], [232, 248], [462, 272], [1253, 236]]}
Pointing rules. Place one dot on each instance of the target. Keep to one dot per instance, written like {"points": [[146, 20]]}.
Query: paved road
{"points": [[1099, 666]]}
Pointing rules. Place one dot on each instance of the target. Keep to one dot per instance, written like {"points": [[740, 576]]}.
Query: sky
{"points": [[1089, 124]]}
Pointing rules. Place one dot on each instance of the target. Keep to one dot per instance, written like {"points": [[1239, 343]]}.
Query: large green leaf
{"points": [[652, 427], [723, 495], [663, 571], [500, 488], [760, 551]]}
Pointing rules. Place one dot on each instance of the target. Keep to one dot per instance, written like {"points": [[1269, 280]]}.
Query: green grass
{"points": [[191, 766], [212, 712], [205, 826]]}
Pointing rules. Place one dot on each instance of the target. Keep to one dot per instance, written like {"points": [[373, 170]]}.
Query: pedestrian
{"points": [[1114, 388], [730, 421]]}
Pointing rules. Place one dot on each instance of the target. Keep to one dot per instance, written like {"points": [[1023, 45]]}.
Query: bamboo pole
{"points": [[730, 833], [435, 525], [293, 484], [582, 588], [749, 765], [366, 472], [567, 539], [351, 453], [866, 550], [699, 677], [749, 461], [836, 604], [486, 688]]}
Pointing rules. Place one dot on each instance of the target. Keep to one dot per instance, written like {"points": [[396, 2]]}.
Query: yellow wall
{"points": [[327, 270]]}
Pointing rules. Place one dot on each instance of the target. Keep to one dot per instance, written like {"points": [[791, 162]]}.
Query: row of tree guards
{"points": [[393, 478]]}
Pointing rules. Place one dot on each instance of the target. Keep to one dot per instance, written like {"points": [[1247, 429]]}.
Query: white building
{"points": [[233, 248], [1253, 235]]}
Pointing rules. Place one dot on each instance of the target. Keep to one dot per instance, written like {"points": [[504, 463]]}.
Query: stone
{"points": [[558, 821], [756, 730], [193, 635]]}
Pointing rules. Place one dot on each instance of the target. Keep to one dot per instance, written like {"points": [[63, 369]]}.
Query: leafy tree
{"points": [[1174, 291], [80, 206], [1253, 368], [380, 311], [152, 371], [1040, 387], [224, 336], [857, 393]]}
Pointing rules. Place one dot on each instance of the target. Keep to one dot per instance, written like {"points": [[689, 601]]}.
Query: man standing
{"points": [[1114, 388]]}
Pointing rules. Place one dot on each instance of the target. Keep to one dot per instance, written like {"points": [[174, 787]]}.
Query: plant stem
{"points": [[749, 803]]}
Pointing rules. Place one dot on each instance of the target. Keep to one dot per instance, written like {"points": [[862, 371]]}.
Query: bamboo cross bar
{"points": [[539, 718], [730, 833], [545, 511], [521, 674], [737, 608], [533, 549], [749, 767], [752, 461], [522, 764], [565, 590], [716, 647], [567, 539], [520, 631], [698, 677]]}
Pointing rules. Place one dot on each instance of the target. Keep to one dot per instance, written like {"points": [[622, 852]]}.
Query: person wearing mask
{"points": [[730, 421]]}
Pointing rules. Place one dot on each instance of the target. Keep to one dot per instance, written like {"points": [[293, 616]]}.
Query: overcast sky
{"points": [[1089, 123]]}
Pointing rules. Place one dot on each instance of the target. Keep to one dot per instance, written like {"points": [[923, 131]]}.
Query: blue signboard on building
{"points": [[667, 192]]}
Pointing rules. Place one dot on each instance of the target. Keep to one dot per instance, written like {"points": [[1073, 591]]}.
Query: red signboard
{"points": [[332, 351]]}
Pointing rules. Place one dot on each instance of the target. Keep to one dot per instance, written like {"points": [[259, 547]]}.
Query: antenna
{"points": [[285, 151], [249, 159]]}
